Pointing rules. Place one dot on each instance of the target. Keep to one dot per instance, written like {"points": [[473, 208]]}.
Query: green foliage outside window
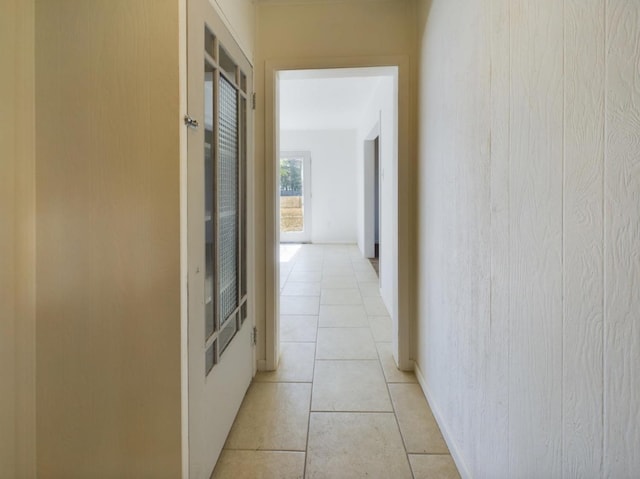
{"points": [[290, 177]]}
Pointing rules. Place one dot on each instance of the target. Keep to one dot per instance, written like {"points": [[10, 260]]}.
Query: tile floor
{"points": [[337, 407]]}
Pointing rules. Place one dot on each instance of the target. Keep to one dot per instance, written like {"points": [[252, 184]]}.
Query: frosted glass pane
{"points": [[228, 199], [209, 285]]}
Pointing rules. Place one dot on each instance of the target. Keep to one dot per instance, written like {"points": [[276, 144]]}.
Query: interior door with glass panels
{"points": [[295, 197], [220, 320]]}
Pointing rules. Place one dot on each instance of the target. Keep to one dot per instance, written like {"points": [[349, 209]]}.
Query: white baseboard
{"points": [[334, 242], [262, 364], [453, 449]]}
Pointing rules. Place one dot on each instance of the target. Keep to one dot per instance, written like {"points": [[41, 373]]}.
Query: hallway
{"points": [[337, 407]]}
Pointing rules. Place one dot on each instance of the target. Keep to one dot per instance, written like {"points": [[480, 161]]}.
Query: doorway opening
{"points": [[346, 121], [375, 261], [373, 198]]}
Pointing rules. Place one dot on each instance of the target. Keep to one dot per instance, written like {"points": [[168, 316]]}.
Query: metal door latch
{"points": [[190, 122]]}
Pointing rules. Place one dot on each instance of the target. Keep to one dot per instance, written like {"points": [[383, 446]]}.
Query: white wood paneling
{"points": [[583, 221], [535, 379], [493, 455], [474, 169], [622, 241], [558, 353]]}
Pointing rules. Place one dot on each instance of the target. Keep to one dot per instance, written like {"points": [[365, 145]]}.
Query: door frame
{"points": [[370, 209], [404, 274], [305, 235]]}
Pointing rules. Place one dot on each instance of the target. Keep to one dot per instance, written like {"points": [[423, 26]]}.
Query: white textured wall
{"points": [[333, 181], [528, 331], [382, 110]]}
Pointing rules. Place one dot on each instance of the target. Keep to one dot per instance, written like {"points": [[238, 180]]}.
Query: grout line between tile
{"points": [[349, 411], [346, 359], [283, 381], [395, 415], [265, 450], [349, 271], [306, 446], [429, 454]]}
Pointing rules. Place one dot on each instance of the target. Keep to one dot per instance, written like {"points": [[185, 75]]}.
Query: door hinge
{"points": [[253, 101], [254, 336]]}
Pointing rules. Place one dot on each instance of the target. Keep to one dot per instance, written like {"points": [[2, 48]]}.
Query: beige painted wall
{"points": [[529, 234], [108, 284], [17, 241], [321, 34]]}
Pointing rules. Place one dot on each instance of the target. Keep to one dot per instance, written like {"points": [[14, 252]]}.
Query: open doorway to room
{"points": [[336, 156], [372, 198], [375, 261]]}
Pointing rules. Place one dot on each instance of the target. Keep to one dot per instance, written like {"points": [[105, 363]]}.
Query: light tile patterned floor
{"points": [[337, 408]]}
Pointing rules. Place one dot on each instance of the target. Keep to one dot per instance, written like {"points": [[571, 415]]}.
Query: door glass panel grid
{"points": [[225, 199], [228, 199], [209, 197], [220, 366]]}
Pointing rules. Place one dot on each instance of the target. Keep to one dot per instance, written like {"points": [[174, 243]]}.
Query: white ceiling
{"points": [[327, 99]]}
